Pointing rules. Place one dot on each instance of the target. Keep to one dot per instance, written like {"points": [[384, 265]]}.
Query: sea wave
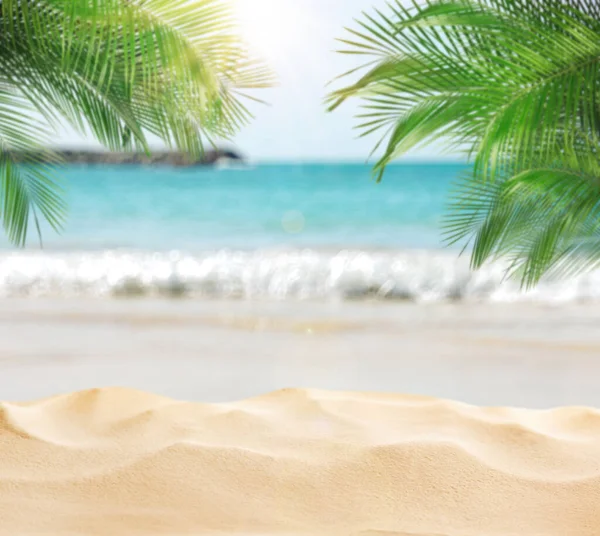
{"points": [[420, 276]]}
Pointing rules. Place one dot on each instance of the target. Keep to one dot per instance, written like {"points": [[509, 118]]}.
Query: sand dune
{"points": [[117, 461]]}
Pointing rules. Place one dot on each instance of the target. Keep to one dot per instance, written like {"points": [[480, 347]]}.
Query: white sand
{"points": [[118, 461], [298, 463]]}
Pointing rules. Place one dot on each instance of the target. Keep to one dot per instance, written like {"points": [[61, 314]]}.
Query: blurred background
{"points": [[285, 265]]}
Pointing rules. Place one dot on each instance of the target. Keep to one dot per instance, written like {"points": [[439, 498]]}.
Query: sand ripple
{"points": [[118, 461]]}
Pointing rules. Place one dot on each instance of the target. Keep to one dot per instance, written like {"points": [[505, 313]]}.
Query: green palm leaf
{"points": [[117, 70], [513, 83]]}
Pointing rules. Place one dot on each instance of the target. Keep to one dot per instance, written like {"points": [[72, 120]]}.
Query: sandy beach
{"points": [[338, 273], [119, 461], [283, 432]]}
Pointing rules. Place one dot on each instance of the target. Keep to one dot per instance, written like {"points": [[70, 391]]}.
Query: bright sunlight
{"points": [[266, 26]]}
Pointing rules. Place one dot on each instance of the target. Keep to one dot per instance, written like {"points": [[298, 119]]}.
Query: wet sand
{"points": [[515, 355]]}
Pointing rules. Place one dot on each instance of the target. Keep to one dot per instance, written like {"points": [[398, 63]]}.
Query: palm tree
{"points": [[515, 84], [116, 69]]}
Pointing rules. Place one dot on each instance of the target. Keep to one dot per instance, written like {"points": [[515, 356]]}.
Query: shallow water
{"points": [[275, 205], [275, 232]]}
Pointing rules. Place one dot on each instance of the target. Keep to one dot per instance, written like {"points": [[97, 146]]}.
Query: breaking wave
{"points": [[420, 276]]}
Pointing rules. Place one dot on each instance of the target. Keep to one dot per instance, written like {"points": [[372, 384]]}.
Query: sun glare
{"points": [[267, 25]]}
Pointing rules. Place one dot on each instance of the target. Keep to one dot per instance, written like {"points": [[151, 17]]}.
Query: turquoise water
{"points": [[293, 205], [274, 232]]}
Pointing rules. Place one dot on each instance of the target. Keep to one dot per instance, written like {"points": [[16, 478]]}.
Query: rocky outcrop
{"points": [[166, 158]]}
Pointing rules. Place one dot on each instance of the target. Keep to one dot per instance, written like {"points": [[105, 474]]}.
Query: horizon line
{"points": [[409, 159]]}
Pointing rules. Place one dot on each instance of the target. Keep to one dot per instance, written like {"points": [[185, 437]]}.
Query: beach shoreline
{"points": [[525, 355]]}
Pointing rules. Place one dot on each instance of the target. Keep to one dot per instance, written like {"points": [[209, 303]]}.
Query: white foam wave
{"points": [[269, 274]]}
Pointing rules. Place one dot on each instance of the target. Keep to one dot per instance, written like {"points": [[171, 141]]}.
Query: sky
{"points": [[297, 39], [301, 51]]}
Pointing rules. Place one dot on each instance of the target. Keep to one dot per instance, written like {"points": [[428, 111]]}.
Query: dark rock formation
{"points": [[166, 158]]}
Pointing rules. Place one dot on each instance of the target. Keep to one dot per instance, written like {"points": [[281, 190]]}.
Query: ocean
{"points": [[266, 232]]}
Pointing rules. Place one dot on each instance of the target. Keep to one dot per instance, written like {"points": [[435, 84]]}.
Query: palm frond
{"points": [[516, 85], [120, 69], [539, 219], [513, 74], [27, 181]]}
